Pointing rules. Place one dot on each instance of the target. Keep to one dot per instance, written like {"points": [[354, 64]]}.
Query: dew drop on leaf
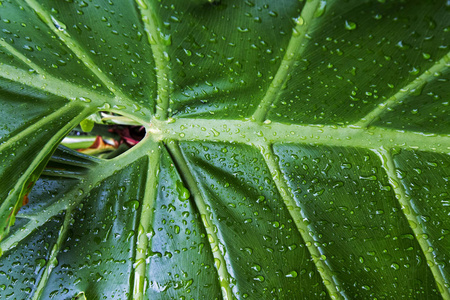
{"points": [[350, 25], [292, 274], [183, 192]]}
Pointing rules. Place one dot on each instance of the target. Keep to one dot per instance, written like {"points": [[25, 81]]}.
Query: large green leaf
{"points": [[294, 149]]}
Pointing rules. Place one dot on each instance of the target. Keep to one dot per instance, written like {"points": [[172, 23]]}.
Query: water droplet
{"points": [[60, 26], [133, 204], [142, 4], [350, 25], [256, 267], [217, 262], [321, 9], [292, 274], [183, 192], [84, 99]]}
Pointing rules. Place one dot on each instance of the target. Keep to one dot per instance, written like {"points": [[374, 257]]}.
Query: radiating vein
{"points": [[221, 267], [414, 221], [58, 87], [52, 260], [296, 46], [22, 57], [15, 192], [251, 133], [29, 130], [158, 41], [59, 29], [298, 217], [145, 229], [73, 197], [417, 84]]}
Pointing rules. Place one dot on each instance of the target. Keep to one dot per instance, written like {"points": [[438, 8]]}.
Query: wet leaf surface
{"points": [[292, 150]]}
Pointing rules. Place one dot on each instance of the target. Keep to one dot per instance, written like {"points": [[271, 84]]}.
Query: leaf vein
{"points": [[213, 240], [403, 92], [414, 221], [145, 228], [157, 41], [22, 57], [72, 198], [60, 30], [250, 133], [294, 50], [52, 260], [297, 216]]}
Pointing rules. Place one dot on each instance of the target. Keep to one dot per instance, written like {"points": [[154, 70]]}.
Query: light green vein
{"points": [[417, 84], [60, 30], [296, 214], [414, 221], [72, 198], [29, 130], [47, 83], [52, 260], [13, 196], [219, 260], [296, 46], [51, 85], [158, 42], [145, 229], [22, 57], [250, 133]]}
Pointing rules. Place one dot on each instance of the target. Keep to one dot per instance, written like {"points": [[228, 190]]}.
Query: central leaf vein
{"points": [[250, 133]]}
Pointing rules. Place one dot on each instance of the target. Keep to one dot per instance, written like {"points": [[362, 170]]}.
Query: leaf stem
{"points": [[303, 228], [414, 221], [397, 99], [219, 260], [158, 42], [145, 228], [294, 50]]}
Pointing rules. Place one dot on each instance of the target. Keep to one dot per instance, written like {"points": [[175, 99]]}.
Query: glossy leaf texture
{"points": [[293, 150]]}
